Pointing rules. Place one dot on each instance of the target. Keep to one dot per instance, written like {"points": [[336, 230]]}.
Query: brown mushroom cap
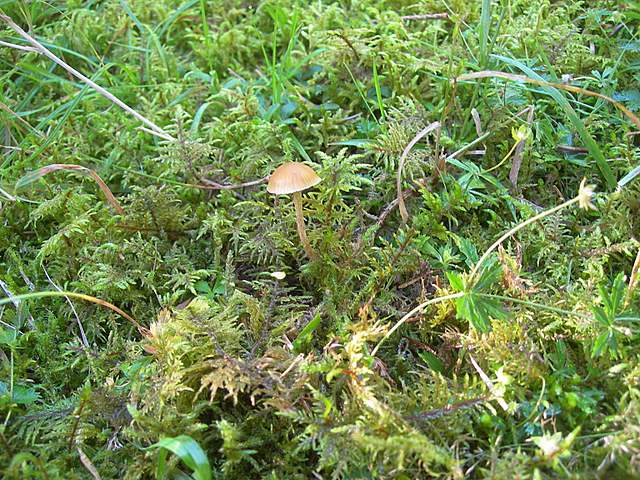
{"points": [[292, 177]]}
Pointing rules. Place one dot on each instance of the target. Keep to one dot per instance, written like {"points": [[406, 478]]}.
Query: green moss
{"points": [[273, 376]]}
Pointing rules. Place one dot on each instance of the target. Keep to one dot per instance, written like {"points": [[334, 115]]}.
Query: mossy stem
{"points": [[297, 202]]}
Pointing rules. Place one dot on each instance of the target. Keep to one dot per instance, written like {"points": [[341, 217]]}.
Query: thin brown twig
{"points": [[105, 93], [633, 280], [41, 172], [422, 183], [211, 185], [400, 197], [349, 44], [393, 204], [8, 109], [448, 409], [426, 16]]}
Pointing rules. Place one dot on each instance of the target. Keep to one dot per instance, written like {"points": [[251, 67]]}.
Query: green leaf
{"points": [[201, 286], [612, 299], [489, 276], [188, 450], [22, 394], [601, 316], [305, 335], [479, 311], [7, 337], [629, 97], [468, 249], [456, 281], [600, 345], [606, 316], [432, 360]]}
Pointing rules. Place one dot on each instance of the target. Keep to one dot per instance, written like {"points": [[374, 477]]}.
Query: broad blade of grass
{"points": [[305, 335], [376, 83], [189, 451], [483, 31], [197, 118]]}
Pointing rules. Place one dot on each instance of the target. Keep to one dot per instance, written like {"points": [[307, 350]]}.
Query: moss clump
{"points": [[262, 357]]}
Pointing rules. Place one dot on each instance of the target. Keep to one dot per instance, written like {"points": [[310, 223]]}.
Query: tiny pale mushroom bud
{"points": [[278, 275], [585, 193]]}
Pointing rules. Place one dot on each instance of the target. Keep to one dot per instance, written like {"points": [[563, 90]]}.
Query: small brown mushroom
{"points": [[293, 178]]}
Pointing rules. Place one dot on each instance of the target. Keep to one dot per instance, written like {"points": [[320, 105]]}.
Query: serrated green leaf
{"points": [[432, 360], [600, 316], [479, 311], [600, 344], [490, 275]]}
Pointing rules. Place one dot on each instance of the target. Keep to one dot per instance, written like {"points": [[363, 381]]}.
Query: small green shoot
{"points": [[189, 451]]}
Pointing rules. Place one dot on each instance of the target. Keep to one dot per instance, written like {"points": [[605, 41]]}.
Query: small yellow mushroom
{"points": [[293, 178]]}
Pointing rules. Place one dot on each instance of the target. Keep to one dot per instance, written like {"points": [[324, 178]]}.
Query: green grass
{"points": [[493, 334]]}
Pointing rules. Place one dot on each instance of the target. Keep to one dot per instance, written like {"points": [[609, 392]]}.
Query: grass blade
{"points": [[483, 32], [553, 90], [47, 53], [376, 83], [41, 172], [80, 296], [189, 451]]}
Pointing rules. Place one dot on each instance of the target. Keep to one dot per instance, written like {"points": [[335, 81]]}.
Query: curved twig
{"points": [[403, 209]]}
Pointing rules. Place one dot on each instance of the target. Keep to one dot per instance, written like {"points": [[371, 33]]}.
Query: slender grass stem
{"points": [[417, 309], [515, 229], [80, 296]]}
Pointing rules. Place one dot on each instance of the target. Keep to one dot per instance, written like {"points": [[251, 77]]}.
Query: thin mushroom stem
{"points": [[297, 202]]}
